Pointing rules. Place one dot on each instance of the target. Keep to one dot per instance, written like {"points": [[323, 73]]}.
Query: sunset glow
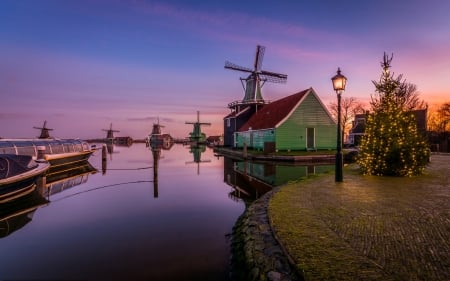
{"points": [[82, 65]]}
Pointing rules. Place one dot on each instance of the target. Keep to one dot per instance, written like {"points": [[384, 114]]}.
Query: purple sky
{"points": [[82, 65]]}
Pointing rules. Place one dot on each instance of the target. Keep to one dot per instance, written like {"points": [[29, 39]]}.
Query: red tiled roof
{"points": [[271, 114]]}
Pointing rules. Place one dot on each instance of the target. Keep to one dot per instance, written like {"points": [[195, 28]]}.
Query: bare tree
{"points": [[439, 119], [350, 106], [408, 95]]}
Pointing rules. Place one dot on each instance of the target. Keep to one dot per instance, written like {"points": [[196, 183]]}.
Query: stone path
{"points": [[373, 228], [363, 229]]}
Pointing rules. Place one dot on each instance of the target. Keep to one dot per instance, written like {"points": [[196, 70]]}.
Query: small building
{"points": [[297, 122], [241, 113], [359, 125], [214, 140], [125, 141], [358, 129]]}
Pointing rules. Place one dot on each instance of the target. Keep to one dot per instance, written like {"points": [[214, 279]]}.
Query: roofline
{"points": [[310, 90], [326, 108], [293, 109]]}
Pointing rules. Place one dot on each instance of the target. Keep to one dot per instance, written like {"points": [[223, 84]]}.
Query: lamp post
{"points": [[339, 82]]}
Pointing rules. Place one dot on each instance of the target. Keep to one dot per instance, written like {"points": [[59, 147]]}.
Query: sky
{"points": [[83, 65]]}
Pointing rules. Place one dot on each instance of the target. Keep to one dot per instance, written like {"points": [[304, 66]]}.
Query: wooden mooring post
{"points": [[104, 157]]}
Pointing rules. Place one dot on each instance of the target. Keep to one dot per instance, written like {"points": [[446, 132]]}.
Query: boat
{"points": [[56, 152], [18, 174]]}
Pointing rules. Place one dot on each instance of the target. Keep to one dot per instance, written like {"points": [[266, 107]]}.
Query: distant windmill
{"points": [[196, 135], [110, 132], [255, 81], [44, 131]]}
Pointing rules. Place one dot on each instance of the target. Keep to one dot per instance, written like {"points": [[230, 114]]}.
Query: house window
{"points": [[228, 122]]}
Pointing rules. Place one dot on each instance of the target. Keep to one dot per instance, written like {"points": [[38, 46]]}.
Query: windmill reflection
{"points": [[156, 148], [197, 149]]}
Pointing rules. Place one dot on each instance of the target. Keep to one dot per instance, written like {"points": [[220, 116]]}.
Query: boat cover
{"points": [[11, 165]]}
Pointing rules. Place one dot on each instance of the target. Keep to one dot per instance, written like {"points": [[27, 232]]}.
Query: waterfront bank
{"points": [[366, 228], [256, 252], [302, 158]]}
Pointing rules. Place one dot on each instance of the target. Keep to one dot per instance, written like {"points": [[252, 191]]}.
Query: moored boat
{"points": [[18, 174], [56, 151]]}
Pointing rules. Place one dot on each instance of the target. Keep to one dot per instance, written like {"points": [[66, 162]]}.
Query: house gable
{"points": [[271, 114], [312, 114]]}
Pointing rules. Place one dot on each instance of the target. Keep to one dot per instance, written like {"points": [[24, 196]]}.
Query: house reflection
{"points": [[197, 149], [251, 180]]}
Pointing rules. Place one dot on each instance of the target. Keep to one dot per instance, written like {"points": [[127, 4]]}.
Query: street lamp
{"points": [[339, 82]]}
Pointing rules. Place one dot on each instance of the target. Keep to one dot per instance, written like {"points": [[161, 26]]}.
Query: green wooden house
{"points": [[296, 122]]}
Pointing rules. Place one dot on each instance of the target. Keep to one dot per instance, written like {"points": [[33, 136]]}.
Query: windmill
{"points": [[110, 133], [196, 135], [257, 78], [44, 131]]}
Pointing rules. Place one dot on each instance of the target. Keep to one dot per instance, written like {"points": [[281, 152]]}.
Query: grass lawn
{"points": [[368, 227]]}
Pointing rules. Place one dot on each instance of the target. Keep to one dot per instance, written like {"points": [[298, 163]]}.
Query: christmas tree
{"points": [[392, 145]]}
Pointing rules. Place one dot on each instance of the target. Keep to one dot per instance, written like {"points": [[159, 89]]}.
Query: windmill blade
{"points": [[273, 74], [273, 77], [259, 57], [230, 65]]}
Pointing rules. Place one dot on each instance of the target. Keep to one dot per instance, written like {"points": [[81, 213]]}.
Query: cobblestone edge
{"points": [[256, 253]]}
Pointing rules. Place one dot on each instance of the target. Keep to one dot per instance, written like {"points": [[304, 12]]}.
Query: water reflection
{"points": [[250, 180], [196, 150], [180, 236], [17, 213], [64, 178], [156, 148]]}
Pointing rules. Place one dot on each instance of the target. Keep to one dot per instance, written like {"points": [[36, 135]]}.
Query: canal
{"points": [[165, 214]]}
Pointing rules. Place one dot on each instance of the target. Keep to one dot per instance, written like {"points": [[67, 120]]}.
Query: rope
{"points": [[98, 188], [143, 168]]}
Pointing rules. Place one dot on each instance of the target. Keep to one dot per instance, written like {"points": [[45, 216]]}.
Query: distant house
{"points": [[358, 129], [296, 122], [214, 140], [359, 125]]}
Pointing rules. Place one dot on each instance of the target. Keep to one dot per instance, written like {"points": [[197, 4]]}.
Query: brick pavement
{"points": [[371, 228]]}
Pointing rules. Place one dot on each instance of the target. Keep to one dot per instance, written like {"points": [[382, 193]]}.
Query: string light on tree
{"points": [[392, 144]]}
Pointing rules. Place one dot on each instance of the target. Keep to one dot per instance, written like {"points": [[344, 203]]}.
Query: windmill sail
{"points": [[257, 77]]}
